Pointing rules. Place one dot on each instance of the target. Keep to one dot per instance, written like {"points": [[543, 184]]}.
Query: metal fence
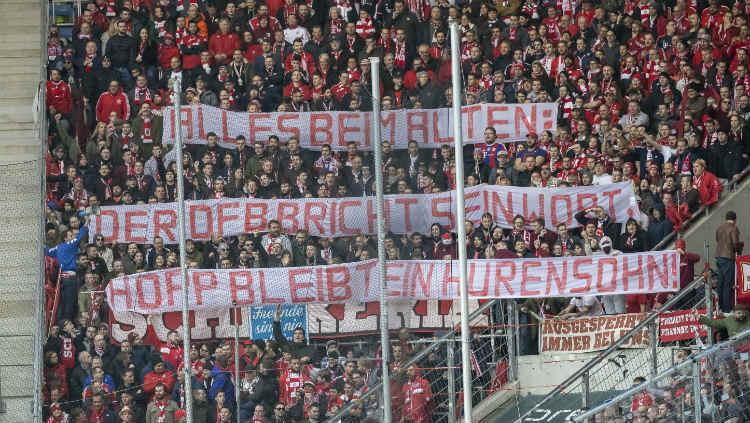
{"points": [[611, 370], [712, 385], [493, 365]]}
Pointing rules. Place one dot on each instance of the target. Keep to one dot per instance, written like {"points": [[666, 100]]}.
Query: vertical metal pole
{"points": [[187, 368], [697, 391], [493, 331], [585, 391], [237, 380], [652, 334], [460, 218], [451, 361], [709, 293], [379, 199], [512, 349]]}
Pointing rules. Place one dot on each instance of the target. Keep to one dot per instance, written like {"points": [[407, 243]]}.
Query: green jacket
{"points": [[732, 325]]}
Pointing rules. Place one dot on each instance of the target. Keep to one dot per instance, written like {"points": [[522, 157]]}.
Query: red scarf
{"points": [[399, 56], [146, 131]]}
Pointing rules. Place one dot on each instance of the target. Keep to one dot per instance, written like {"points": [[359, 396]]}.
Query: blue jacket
{"points": [[67, 252], [222, 382]]}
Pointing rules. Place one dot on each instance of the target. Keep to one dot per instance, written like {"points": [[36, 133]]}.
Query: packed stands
{"points": [[654, 94]]}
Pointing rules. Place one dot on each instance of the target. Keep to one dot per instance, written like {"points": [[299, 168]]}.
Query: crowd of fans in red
{"points": [[655, 93]]}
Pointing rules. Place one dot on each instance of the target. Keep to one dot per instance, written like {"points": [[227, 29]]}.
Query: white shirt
{"points": [[603, 179], [593, 304], [291, 34]]}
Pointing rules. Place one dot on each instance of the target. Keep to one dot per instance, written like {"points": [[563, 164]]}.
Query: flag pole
{"points": [[461, 217], [187, 367], [385, 343]]}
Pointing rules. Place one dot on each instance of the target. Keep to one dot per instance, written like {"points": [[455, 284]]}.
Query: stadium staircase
{"points": [[21, 73]]}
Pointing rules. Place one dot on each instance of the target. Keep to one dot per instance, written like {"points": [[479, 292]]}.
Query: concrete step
{"points": [[21, 38], [16, 135], [22, 90], [19, 149], [27, 12], [18, 410], [16, 381], [29, 50], [26, 125], [26, 81], [16, 350], [16, 110], [18, 158]]}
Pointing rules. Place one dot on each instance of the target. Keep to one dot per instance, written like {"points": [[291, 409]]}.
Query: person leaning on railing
{"points": [[734, 323]]}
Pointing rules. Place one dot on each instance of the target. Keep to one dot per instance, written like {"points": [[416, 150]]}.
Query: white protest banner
{"points": [[586, 334], [340, 320], [430, 128], [325, 320], [160, 291], [331, 217]]}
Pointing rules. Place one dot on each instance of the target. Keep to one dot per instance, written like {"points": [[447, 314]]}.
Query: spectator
{"points": [[708, 186], [734, 323], [618, 120], [161, 408], [728, 244]]}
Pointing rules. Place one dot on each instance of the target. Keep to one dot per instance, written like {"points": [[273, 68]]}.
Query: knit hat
{"points": [[447, 238], [605, 242]]}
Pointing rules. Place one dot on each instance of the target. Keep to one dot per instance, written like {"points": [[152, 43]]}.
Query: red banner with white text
{"points": [[429, 128], [681, 325], [331, 217], [743, 279], [160, 291]]}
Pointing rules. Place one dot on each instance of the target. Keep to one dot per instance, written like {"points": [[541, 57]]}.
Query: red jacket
{"points": [[166, 53], [59, 96], [223, 43], [109, 103], [417, 400], [169, 353], [289, 383], [709, 188]]}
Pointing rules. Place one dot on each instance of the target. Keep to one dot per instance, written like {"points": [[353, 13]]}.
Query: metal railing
{"points": [[490, 347], [688, 379], [607, 370]]}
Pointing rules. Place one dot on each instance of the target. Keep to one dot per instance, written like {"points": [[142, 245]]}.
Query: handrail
{"points": [[637, 388], [653, 315], [55, 303], [420, 355]]}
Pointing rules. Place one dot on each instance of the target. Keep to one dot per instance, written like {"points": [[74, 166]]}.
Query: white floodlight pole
{"points": [[461, 217], [187, 367], [385, 343]]}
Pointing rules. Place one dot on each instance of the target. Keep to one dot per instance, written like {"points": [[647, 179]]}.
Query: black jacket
{"points": [[121, 50]]}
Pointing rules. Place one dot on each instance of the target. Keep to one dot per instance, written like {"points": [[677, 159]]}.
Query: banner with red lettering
{"points": [[681, 325], [430, 128], [160, 291], [587, 334], [331, 217], [324, 320], [743, 279], [332, 320]]}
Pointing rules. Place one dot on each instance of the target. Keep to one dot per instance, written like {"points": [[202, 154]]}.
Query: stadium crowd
{"points": [[653, 93]]}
